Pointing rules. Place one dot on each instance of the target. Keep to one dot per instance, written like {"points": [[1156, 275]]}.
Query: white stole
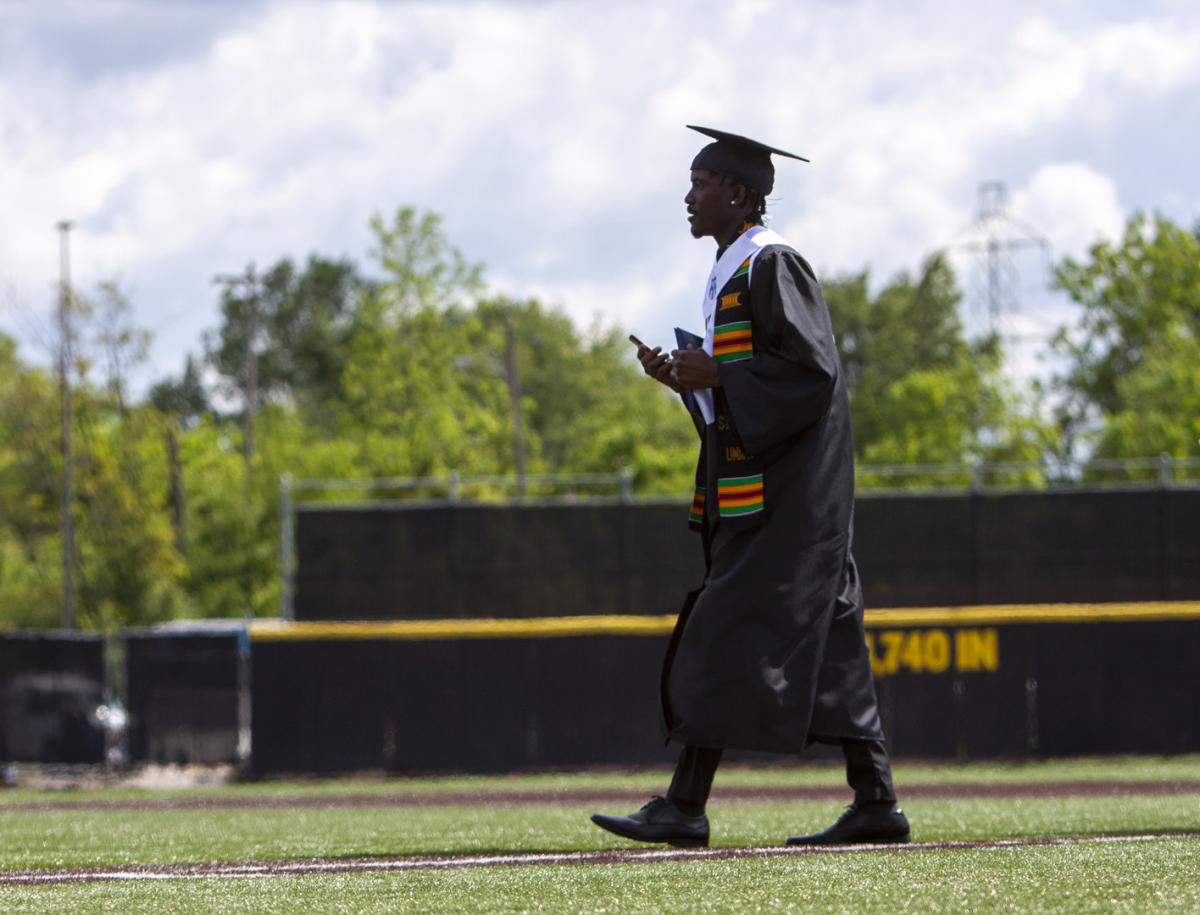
{"points": [[748, 244]]}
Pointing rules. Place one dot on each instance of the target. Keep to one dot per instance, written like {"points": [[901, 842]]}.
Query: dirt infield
{"points": [[617, 796], [317, 866]]}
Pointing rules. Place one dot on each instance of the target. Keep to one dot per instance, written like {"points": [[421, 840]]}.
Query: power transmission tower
{"points": [[248, 283], [997, 235], [64, 387]]}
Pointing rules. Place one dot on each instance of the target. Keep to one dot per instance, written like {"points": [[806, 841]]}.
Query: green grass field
{"points": [[1159, 874]]}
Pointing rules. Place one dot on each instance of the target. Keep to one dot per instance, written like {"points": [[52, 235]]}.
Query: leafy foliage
{"points": [[126, 557], [1133, 383], [920, 392], [405, 367], [298, 322]]}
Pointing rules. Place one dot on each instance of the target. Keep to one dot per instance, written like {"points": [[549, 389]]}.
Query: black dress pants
{"points": [[868, 772]]}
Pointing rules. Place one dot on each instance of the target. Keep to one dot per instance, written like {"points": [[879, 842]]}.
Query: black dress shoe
{"points": [[658, 821], [869, 823]]}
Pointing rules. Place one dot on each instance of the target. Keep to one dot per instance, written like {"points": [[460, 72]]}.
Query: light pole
{"points": [[64, 388]]}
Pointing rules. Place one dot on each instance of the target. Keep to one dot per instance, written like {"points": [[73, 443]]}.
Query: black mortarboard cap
{"points": [[744, 160]]}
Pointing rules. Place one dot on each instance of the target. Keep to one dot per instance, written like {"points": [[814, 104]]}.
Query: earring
{"points": [[733, 203]]}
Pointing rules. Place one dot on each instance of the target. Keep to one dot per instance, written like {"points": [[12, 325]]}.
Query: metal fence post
{"points": [[286, 546], [1166, 470], [626, 485], [977, 476]]}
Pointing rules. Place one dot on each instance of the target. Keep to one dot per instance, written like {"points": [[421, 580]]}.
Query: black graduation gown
{"points": [[769, 653]]}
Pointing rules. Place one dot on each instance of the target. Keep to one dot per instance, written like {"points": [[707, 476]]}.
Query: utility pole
{"points": [[178, 499], [513, 378], [996, 235], [250, 311], [248, 283], [64, 387]]}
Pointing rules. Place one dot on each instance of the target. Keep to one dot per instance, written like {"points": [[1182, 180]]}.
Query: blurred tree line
{"points": [[411, 368]]}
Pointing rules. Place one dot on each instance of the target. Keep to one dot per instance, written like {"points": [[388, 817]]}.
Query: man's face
{"points": [[707, 203]]}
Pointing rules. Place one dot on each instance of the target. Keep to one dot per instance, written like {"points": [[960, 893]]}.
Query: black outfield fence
{"points": [[187, 694], [1039, 682], [468, 561], [497, 695], [503, 695], [458, 560], [1110, 545], [454, 705], [50, 688]]}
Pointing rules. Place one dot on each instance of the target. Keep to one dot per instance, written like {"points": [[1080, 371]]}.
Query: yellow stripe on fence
{"points": [[550, 627], [546, 627], [1009, 614]]}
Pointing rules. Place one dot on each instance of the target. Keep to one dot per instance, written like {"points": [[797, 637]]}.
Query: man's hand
{"points": [[657, 365], [693, 369]]}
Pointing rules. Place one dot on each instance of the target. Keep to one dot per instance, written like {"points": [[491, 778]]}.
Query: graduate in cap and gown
{"points": [[769, 653]]}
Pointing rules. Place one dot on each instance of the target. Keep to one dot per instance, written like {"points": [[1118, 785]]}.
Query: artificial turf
{"points": [[86, 838], [1161, 875], [1156, 876]]}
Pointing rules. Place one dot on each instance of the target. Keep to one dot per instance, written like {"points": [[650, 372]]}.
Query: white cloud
{"points": [[1073, 204], [550, 136]]}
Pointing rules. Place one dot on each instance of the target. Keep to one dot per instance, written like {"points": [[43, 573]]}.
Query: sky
{"points": [[186, 138]]}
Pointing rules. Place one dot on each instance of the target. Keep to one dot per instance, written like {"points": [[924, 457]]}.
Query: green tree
{"points": [[130, 572], [126, 567], [231, 566], [422, 397], [921, 393], [587, 405], [421, 268], [434, 392], [299, 319], [185, 398], [1130, 387], [1159, 410], [121, 344], [421, 393], [30, 548]]}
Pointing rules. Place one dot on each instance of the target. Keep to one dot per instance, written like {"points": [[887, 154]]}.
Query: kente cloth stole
{"points": [[732, 343], [696, 515], [737, 496]]}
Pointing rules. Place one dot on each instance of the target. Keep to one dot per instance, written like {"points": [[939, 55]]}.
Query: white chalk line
{"points": [[259, 870]]}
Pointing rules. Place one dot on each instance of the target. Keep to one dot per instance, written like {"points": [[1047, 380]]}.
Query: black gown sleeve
{"points": [[788, 385]]}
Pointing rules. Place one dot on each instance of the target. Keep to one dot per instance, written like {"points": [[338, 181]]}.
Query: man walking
{"points": [[769, 653]]}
